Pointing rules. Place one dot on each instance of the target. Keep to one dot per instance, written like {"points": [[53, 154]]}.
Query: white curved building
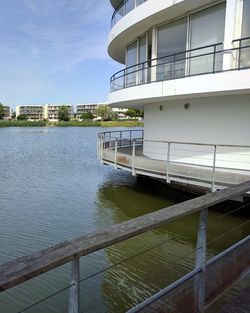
{"points": [[187, 62]]}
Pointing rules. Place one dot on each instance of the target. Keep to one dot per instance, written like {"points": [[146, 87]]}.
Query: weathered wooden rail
{"points": [[28, 267]]}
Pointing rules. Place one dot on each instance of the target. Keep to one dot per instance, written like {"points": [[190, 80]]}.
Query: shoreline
{"points": [[4, 124]]}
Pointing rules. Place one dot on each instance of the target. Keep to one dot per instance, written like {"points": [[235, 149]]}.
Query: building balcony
{"points": [[204, 165], [124, 7], [209, 59]]}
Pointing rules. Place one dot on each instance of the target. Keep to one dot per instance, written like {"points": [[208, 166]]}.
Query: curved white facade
{"points": [[187, 62]]}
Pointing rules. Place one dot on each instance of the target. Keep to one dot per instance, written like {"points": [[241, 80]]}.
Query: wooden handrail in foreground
{"points": [[27, 267]]}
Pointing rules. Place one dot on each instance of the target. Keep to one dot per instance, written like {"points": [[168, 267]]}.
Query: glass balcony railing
{"points": [[124, 8], [203, 60]]}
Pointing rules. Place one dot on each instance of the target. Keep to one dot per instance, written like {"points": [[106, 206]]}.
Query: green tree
{"points": [[132, 113], [21, 117], [13, 115], [87, 116], [2, 112], [63, 113], [104, 112]]}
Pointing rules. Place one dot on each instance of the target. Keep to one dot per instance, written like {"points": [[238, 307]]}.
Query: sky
{"points": [[55, 51]]}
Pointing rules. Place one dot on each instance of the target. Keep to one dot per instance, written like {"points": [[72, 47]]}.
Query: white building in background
{"points": [[40, 112], [7, 112], [51, 111], [86, 108], [91, 108], [32, 112], [188, 63]]}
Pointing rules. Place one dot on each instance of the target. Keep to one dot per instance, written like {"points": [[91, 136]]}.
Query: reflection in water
{"points": [[158, 257]]}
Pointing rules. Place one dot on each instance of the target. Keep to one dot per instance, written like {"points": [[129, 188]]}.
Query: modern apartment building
{"points": [[40, 112], [7, 112], [188, 63], [32, 112], [86, 108], [51, 111]]}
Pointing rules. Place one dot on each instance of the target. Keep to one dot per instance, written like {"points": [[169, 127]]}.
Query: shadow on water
{"points": [[153, 260]]}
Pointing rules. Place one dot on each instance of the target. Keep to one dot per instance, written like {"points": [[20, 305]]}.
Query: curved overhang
{"points": [[143, 18], [115, 3], [227, 83]]}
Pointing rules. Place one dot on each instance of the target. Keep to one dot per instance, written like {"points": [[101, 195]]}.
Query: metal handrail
{"points": [[177, 57], [165, 141], [174, 55], [113, 141]]}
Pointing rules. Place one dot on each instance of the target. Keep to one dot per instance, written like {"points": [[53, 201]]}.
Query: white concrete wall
{"points": [[213, 120]]}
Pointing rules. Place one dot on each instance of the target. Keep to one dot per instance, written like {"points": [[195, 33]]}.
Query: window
{"points": [[171, 40], [206, 28], [245, 52]]}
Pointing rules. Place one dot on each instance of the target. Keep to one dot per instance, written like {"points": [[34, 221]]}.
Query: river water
{"points": [[52, 188]]}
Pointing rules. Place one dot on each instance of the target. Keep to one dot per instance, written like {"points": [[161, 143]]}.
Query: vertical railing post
{"points": [[109, 139], [214, 58], [168, 163], [200, 282], [133, 159], [240, 46], [101, 148], [213, 187], [74, 291], [120, 139], [130, 137], [116, 144]]}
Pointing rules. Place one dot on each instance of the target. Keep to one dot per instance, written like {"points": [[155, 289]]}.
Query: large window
{"points": [[137, 53], [206, 28], [246, 19], [131, 60], [245, 51], [142, 57], [171, 40]]}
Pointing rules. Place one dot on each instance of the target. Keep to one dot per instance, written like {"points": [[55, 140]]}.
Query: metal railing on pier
{"points": [[205, 165], [207, 280], [209, 59]]}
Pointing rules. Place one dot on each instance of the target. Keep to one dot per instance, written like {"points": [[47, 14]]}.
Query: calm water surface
{"points": [[52, 188]]}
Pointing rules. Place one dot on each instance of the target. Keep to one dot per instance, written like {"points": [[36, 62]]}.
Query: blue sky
{"points": [[54, 51]]}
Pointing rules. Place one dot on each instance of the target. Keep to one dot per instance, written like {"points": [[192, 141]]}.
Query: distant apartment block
{"points": [[91, 108], [120, 112], [32, 112], [51, 111], [86, 108], [40, 112], [7, 113]]}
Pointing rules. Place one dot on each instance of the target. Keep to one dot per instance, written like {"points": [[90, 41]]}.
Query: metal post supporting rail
{"points": [[168, 163], [214, 169], [200, 282], [74, 292], [133, 158], [116, 144]]}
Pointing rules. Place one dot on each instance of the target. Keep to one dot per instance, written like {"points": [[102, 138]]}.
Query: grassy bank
{"points": [[70, 124], [22, 124]]}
